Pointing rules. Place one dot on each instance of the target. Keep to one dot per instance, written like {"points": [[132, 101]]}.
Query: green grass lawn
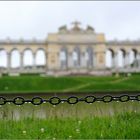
{"points": [[124, 126], [81, 121], [67, 84]]}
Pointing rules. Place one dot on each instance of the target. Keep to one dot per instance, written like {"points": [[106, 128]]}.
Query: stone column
{"points": [[8, 61], [70, 60], [104, 55], [116, 63], [46, 60], [21, 61], [126, 61], [58, 61], [115, 60], [79, 59], [83, 61], [138, 58], [100, 60], [66, 61], [95, 60], [34, 62]]}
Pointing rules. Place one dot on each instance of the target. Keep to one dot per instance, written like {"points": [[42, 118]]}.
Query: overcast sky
{"points": [[118, 20]]}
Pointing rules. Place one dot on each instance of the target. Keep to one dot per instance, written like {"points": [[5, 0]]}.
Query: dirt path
{"points": [[120, 80], [91, 83], [75, 88]]}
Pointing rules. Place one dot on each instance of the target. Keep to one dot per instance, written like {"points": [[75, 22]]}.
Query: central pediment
{"points": [[81, 38]]}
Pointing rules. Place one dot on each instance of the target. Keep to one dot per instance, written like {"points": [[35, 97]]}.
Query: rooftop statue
{"points": [[63, 28], [89, 28], [76, 26]]}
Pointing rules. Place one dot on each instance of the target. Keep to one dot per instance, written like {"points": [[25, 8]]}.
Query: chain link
{"points": [[55, 100]]}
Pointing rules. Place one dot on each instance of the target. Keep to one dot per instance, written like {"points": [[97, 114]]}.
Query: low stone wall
{"points": [[79, 72], [43, 72]]}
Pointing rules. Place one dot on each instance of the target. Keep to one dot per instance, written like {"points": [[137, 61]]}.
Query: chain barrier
{"points": [[55, 100]]}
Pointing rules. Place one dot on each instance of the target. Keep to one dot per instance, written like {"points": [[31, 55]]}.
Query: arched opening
{"points": [[28, 58], [109, 58], [15, 59], [132, 56], [63, 58], [121, 58], [76, 57], [3, 58], [89, 57], [40, 58]]}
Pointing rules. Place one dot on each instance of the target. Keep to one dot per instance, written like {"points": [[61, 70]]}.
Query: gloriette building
{"points": [[70, 51]]}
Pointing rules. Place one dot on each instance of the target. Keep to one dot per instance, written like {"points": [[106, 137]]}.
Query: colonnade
{"points": [[22, 60], [28, 59], [76, 58], [122, 59]]}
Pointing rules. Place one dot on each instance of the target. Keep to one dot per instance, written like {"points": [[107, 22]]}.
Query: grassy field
{"points": [[124, 126], [66, 84], [81, 121]]}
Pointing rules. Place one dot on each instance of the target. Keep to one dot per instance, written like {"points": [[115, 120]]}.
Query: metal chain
{"points": [[55, 100]]}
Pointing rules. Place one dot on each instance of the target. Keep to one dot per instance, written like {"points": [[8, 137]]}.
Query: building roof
{"points": [[124, 42]]}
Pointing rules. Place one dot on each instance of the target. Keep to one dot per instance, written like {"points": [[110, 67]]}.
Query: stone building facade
{"points": [[70, 51]]}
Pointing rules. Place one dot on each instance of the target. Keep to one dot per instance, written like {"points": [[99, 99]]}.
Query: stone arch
{"points": [[132, 56], [76, 57], [40, 57], [89, 57], [15, 58], [109, 58], [63, 56], [3, 58], [28, 59], [121, 58], [40, 48]]}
